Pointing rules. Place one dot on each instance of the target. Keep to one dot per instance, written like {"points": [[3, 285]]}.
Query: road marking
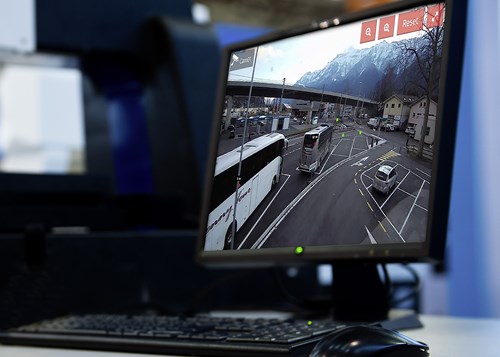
{"points": [[420, 177], [360, 162], [369, 206], [372, 239], [263, 213], [407, 193], [422, 208], [383, 213], [387, 199], [357, 150], [388, 155], [323, 165], [381, 225], [413, 206], [355, 181], [361, 192], [353, 141], [293, 151], [425, 173], [273, 226]]}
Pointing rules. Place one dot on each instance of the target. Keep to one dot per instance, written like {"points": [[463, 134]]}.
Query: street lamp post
{"points": [[343, 107], [356, 113], [238, 178], [281, 98], [321, 101]]}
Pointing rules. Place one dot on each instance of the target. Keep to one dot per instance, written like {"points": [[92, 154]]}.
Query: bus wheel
{"points": [[229, 237]]}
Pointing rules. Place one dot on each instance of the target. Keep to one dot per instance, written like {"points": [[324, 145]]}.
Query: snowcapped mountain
{"points": [[367, 71]]}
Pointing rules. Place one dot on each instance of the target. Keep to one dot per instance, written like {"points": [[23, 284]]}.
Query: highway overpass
{"points": [[239, 88]]}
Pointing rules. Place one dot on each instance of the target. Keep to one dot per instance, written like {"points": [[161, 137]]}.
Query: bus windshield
{"points": [[309, 140]]}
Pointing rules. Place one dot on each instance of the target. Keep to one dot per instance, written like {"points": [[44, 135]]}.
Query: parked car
{"points": [[388, 127], [385, 179], [373, 122], [410, 131]]}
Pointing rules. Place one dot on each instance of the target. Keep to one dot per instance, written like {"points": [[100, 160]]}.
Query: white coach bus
{"points": [[260, 171], [315, 147]]}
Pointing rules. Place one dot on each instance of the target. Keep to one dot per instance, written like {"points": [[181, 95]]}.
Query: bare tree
{"points": [[424, 53]]}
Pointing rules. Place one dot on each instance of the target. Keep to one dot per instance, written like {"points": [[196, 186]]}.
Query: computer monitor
{"points": [[93, 123], [68, 163], [334, 143], [44, 171]]}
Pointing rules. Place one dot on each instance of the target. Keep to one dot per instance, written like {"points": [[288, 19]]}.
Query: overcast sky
{"points": [[293, 57]]}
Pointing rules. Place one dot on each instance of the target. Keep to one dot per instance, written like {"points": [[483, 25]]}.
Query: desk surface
{"points": [[446, 336]]}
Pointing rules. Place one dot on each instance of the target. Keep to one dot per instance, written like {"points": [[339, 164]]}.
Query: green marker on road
{"points": [[343, 134]]}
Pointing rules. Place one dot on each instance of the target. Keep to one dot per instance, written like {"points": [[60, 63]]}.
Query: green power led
{"points": [[299, 250]]}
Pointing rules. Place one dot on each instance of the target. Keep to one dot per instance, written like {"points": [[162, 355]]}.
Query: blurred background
{"points": [[467, 284]]}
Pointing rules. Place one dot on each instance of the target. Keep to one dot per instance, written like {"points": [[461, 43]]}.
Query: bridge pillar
{"points": [[309, 112], [227, 119]]}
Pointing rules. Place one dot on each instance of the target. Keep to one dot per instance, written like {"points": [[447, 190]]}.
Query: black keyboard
{"points": [[201, 335]]}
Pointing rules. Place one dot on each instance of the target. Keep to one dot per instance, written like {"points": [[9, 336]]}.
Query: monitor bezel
{"points": [[433, 248]]}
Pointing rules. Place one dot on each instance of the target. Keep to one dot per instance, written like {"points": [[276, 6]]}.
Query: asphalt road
{"points": [[337, 205]]}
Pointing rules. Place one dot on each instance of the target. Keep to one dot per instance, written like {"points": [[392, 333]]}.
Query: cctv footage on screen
{"points": [[326, 138]]}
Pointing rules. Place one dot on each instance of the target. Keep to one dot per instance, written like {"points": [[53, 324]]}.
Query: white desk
{"points": [[446, 337], [457, 337]]}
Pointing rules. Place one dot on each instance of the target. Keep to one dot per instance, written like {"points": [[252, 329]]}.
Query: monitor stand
{"points": [[360, 295]]}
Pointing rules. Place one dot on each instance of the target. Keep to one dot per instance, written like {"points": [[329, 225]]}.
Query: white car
{"points": [[389, 127], [385, 179], [410, 131]]}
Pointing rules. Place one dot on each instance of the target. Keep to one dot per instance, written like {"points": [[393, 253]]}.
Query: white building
{"points": [[416, 119], [397, 109]]}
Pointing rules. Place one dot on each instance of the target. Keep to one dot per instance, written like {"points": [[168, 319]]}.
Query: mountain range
{"points": [[374, 72]]}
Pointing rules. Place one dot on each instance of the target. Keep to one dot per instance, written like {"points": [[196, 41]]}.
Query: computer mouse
{"points": [[368, 341]]}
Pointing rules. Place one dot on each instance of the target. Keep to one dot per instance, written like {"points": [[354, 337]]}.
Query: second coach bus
{"points": [[261, 166], [315, 147]]}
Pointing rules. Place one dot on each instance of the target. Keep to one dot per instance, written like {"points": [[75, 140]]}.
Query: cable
{"points": [[194, 304], [306, 303], [284, 290], [387, 279], [416, 288]]}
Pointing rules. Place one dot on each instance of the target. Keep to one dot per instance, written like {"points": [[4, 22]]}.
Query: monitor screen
{"points": [[336, 142], [41, 115], [45, 178], [67, 160]]}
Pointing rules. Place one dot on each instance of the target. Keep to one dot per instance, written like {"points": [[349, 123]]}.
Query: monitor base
{"points": [[358, 293]]}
